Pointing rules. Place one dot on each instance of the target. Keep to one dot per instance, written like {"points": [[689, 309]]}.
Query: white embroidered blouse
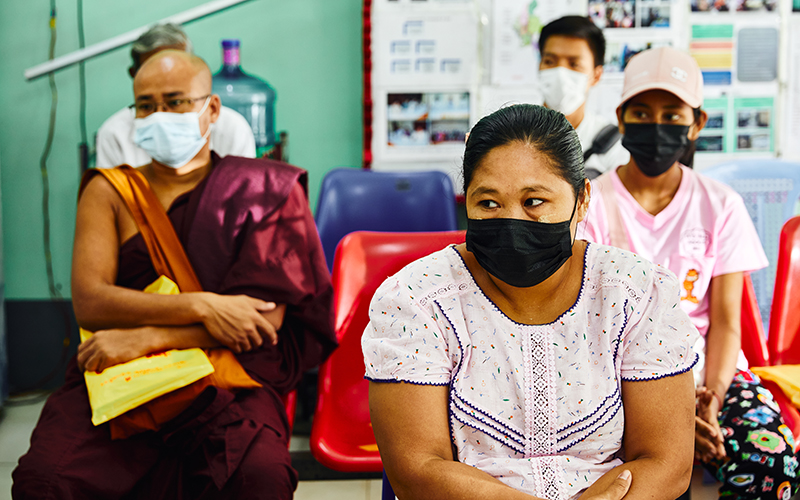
{"points": [[536, 406]]}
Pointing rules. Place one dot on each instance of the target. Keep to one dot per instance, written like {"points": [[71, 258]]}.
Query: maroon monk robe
{"points": [[247, 229]]}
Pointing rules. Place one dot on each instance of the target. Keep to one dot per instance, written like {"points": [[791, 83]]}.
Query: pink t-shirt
{"points": [[704, 232]]}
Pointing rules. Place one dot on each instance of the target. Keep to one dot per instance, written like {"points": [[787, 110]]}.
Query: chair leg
{"points": [[388, 492]]}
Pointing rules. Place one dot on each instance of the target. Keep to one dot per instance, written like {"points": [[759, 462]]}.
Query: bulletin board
{"points": [[434, 67]]}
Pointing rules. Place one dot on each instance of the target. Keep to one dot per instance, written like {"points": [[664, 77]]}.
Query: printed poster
{"points": [[714, 138], [753, 130], [416, 48], [631, 13], [712, 48], [791, 147], [741, 51], [515, 36], [738, 125]]}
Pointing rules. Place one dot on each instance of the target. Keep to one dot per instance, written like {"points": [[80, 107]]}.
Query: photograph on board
{"points": [[654, 14], [752, 142], [756, 5], [619, 53], [613, 13], [716, 119], [711, 5], [427, 119], [710, 143]]}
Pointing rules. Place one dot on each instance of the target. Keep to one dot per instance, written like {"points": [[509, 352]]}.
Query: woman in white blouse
{"points": [[525, 363]]}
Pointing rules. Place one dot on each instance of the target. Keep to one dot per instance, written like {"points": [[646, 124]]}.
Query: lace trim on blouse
{"points": [[541, 414], [549, 470]]}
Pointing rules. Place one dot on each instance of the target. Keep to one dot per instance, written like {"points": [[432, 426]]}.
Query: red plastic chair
{"points": [[758, 353], [753, 344], [784, 328], [341, 435], [290, 402], [784, 341]]}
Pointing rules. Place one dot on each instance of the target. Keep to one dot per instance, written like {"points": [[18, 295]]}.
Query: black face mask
{"points": [[522, 253], [655, 146]]}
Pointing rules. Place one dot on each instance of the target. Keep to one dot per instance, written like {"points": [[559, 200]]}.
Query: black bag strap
{"points": [[603, 141]]}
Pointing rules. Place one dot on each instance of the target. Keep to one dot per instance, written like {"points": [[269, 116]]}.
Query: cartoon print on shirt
{"points": [[688, 285], [785, 491], [767, 441]]}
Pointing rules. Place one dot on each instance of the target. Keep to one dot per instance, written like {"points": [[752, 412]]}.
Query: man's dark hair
{"points": [[577, 27]]}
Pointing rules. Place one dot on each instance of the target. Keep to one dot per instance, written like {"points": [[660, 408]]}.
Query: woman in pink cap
{"points": [[700, 230]]}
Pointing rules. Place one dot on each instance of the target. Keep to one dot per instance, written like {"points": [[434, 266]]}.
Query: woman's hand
{"points": [[709, 444], [236, 321], [111, 347], [615, 491]]}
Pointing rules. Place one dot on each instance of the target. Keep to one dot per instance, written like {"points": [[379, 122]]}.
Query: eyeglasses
{"points": [[176, 105]]}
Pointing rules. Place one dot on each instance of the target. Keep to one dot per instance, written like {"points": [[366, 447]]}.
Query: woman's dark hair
{"points": [[545, 129], [577, 27]]}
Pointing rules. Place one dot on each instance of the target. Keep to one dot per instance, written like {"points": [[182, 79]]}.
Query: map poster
{"points": [[515, 36]]}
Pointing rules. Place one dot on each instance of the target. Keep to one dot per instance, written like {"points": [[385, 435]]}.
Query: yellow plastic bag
{"points": [[125, 386], [786, 376]]}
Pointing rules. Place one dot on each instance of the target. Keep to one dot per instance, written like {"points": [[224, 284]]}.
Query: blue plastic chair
{"points": [[387, 492], [770, 189], [353, 199]]}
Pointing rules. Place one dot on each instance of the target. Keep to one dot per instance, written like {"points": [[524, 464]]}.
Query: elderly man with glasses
{"points": [[250, 238], [230, 135]]}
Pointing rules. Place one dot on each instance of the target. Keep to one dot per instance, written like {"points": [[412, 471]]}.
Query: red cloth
{"points": [[247, 229], [169, 259]]}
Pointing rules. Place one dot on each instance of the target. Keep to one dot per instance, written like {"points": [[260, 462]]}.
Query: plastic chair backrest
{"points": [[784, 327], [352, 199], [757, 352], [765, 353], [770, 189], [341, 435], [754, 344], [290, 403]]}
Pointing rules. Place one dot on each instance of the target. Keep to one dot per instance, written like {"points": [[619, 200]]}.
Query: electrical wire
{"points": [[23, 396], [82, 77], [48, 256]]}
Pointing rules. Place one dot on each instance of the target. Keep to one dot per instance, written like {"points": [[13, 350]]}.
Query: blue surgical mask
{"points": [[171, 139]]}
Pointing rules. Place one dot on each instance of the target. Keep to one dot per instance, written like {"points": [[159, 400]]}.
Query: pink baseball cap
{"points": [[667, 69]]}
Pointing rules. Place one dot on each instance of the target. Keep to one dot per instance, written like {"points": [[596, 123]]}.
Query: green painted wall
{"points": [[308, 50]]}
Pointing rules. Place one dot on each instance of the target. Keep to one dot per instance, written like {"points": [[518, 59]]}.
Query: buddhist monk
{"points": [[248, 233]]}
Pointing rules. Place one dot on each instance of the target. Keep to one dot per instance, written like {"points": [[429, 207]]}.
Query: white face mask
{"points": [[171, 139], [563, 89]]}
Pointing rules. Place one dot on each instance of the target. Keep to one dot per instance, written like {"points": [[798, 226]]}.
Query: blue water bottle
{"points": [[252, 97]]}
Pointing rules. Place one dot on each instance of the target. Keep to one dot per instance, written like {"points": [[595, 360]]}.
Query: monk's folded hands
{"points": [[237, 321], [110, 347]]}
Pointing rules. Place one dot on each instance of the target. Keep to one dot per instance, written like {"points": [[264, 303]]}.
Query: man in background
{"points": [[572, 53], [230, 135]]}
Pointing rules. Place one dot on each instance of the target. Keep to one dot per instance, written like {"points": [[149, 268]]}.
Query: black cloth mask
{"points": [[522, 253], [655, 146]]}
